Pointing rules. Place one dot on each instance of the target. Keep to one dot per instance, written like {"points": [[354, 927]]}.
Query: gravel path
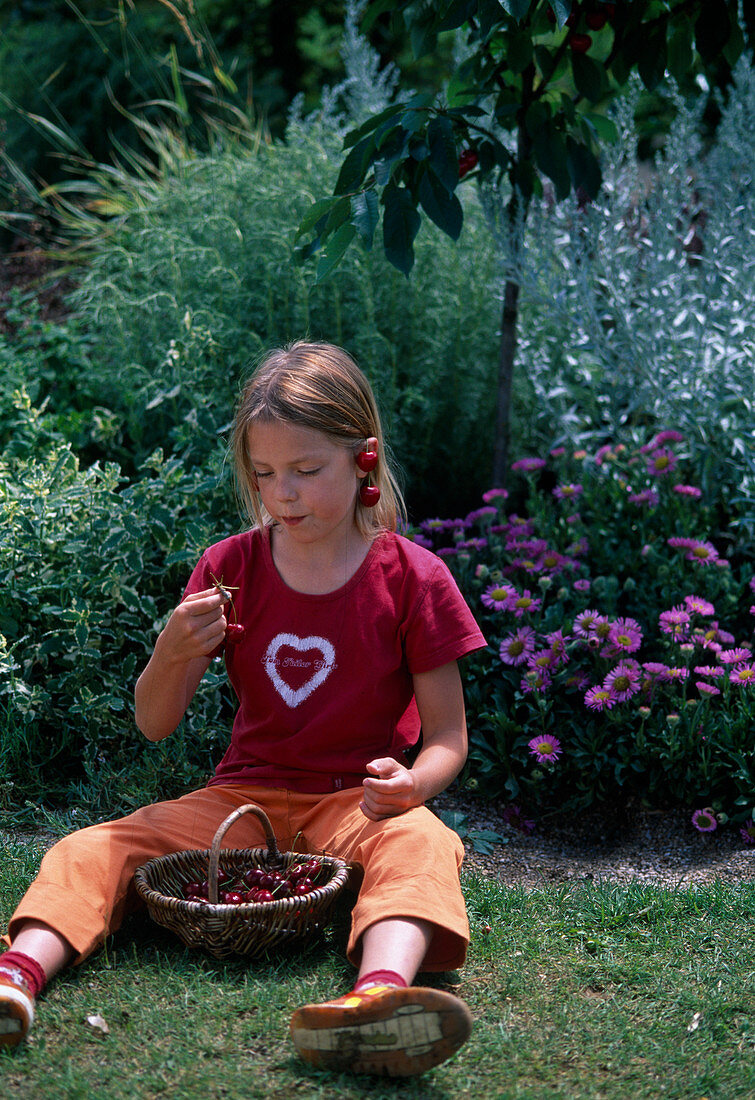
{"points": [[654, 847]]}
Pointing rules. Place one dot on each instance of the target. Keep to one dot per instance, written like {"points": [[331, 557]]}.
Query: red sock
{"points": [[32, 972], [380, 977]]}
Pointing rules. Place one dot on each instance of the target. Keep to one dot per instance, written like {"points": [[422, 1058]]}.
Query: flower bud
{"points": [[672, 720]]}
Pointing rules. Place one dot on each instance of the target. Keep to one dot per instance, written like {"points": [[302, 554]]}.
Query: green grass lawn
{"points": [[577, 991]]}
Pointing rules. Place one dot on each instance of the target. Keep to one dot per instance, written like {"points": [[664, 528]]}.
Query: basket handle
{"points": [[272, 846]]}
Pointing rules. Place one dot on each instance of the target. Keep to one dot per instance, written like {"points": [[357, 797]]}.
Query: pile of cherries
{"points": [[260, 885]]}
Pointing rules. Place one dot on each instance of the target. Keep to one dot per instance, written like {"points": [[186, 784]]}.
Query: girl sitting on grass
{"points": [[341, 639]]}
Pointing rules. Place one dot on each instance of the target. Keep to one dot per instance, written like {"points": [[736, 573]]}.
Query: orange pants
{"points": [[410, 863]]}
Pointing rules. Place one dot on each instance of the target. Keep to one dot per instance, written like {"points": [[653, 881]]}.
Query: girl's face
{"points": [[307, 483]]}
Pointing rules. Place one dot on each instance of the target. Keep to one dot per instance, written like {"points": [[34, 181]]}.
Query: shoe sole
{"points": [[399, 1033], [16, 1015]]}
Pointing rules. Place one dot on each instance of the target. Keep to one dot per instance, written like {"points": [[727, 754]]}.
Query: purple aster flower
{"points": [[433, 526], [708, 670], [514, 816], [697, 550], [655, 668], [645, 496], [528, 465], [472, 544], [420, 540], [706, 689], [600, 698], [705, 820], [577, 682], [688, 491], [734, 656], [535, 680], [516, 648], [669, 435], [625, 635], [674, 675], [525, 603], [623, 680], [698, 606], [661, 462], [486, 512], [542, 660], [747, 832], [550, 562], [751, 584], [567, 492], [557, 452], [745, 674], [676, 622], [584, 621], [545, 748], [582, 585], [446, 552], [496, 596], [557, 642], [493, 494], [681, 543]]}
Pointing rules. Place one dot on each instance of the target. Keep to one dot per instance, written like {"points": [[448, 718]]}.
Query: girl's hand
{"points": [[391, 792], [195, 629]]}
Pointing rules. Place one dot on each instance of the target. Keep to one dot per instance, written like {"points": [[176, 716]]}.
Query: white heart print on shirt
{"points": [[321, 668]]}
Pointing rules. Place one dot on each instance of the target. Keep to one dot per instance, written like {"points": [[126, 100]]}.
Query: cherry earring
{"points": [[367, 460], [369, 495]]}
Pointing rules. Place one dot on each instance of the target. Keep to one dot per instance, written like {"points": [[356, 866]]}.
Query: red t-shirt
{"points": [[324, 682]]}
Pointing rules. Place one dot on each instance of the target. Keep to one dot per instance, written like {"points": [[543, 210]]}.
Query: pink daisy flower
{"points": [[645, 496], [661, 462], [698, 606], [734, 656], [577, 682], [745, 674], [528, 465], [495, 494], [625, 635], [688, 491], [567, 492], [516, 648], [486, 512], [582, 585], [705, 820], [557, 642], [496, 596], [675, 675], [600, 698], [545, 748], [623, 680], [542, 660], [708, 670], [583, 622], [655, 668], [675, 621], [668, 435], [706, 689]]}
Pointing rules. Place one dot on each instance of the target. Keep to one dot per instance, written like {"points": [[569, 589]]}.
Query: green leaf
{"points": [[365, 215], [712, 30], [371, 124], [401, 223], [588, 77], [443, 155], [518, 51], [551, 158], [653, 59], [334, 250], [562, 10], [584, 169], [423, 30], [441, 207], [489, 15], [355, 166], [315, 213], [516, 8], [680, 51]]}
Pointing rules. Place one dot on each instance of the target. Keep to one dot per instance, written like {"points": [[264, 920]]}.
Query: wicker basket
{"points": [[251, 928]]}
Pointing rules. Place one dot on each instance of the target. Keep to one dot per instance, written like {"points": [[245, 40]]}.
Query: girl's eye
{"points": [[259, 476]]}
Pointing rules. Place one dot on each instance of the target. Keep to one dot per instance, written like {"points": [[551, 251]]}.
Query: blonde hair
{"points": [[319, 387]]}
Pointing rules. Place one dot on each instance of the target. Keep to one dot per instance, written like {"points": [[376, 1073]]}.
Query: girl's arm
{"points": [[179, 661], [395, 788]]}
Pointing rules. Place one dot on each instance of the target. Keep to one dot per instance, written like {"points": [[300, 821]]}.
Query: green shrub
{"points": [[90, 566], [617, 626]]}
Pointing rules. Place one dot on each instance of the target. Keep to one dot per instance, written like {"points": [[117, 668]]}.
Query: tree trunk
{"points": [[506, 357]]}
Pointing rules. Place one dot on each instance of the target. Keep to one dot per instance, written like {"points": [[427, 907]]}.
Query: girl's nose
{"points": [[285, 489]]}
